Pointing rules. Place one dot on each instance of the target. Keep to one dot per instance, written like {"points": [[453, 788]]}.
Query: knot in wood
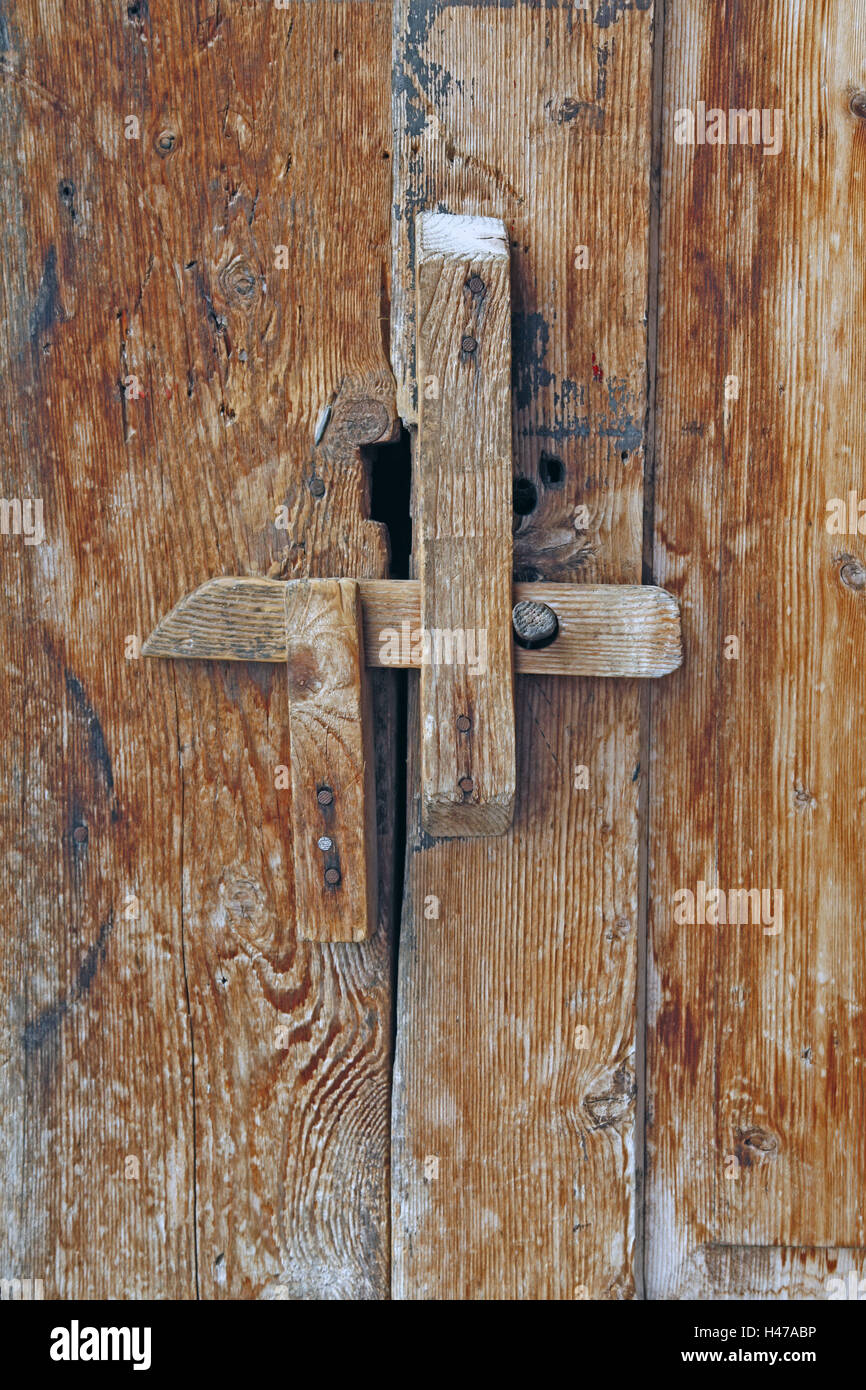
{"points": [[305, 680], [853, 574], [755, 1144], [238, 280], [858, 105], [165, 142]]}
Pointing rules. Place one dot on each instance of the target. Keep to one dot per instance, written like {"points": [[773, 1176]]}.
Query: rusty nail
{"points": [[332, 877], [79, 834], [321, 424], [464, 723], [324, 796], [165, 141], [317, 487], [858, 105], [476, 284], [468, 344], [466, 785]]}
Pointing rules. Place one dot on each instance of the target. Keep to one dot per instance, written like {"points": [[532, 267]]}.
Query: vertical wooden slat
{"points": [[228, 253], [514, 1084], [757, 1135], [331, 738], [289, 119], [463, 525], [97, 1137]]}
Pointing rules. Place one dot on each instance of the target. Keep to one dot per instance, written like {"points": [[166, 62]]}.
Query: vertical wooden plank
{"points": [[290, 130], [97, 1140], [757, 1140], [463, 525], [514, 1099], [331, 738], [183, 299]]}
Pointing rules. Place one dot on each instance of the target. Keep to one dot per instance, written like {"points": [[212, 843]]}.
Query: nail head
{"points": [[317, 487], [464, 723], [332, 877], [324, 796], [535, 624], [468, 344], [466, 785], [325, 843]]}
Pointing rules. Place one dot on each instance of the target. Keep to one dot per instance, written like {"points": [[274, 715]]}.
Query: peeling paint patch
{"points": [[47, 308], [44, 1026], [621, 426], [612, 11], [97, 747], [530, 336], [5, 38]]}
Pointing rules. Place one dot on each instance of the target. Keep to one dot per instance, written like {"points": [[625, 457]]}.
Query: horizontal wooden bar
{"points": [[624, 630]]}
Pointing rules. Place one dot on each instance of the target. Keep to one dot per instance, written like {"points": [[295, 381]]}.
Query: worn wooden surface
{"points": [[331, 740], [513, 1141], [193, 1101], [462, 549], [757, 1140], [604, 629]]}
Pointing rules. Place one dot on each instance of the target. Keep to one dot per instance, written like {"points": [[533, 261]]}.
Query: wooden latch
{"points": [[462, 622]]}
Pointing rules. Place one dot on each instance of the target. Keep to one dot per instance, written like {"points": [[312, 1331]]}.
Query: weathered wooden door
{"points": [[557, 1070]]}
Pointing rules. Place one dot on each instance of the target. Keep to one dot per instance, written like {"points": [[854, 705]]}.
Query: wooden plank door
{"points": [[195, 246], [207, 281]]}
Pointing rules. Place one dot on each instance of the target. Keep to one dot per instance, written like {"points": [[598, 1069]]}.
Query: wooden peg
{"points": [[463, 489], [333, 788]]}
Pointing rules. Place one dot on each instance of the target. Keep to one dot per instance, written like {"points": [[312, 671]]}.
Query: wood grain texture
{"points": [[462, 551], [613, 630], [247, 1073], [331, 740], [513, 1142], [757, 1141]]}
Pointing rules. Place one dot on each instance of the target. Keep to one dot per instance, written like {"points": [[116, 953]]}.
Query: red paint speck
{"points": [[597, 373]]}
